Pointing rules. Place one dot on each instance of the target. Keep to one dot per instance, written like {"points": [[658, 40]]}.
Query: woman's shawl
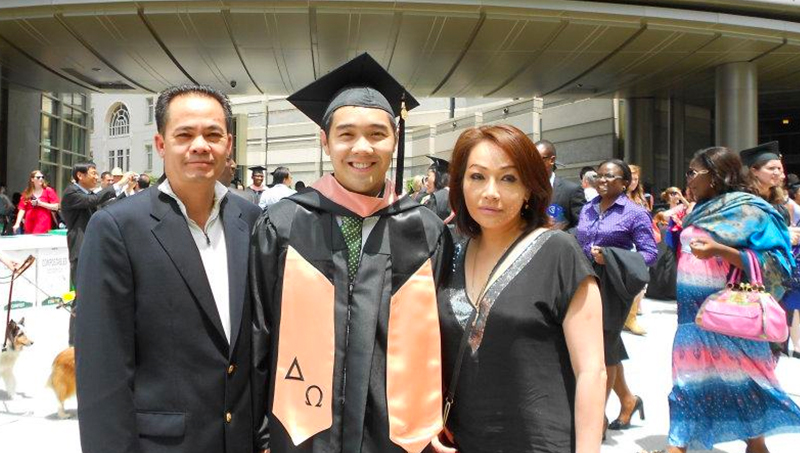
{"points": [[745, 221]]}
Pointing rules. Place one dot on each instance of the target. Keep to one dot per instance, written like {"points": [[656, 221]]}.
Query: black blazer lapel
{"points": [[237, 237], [173, 234]]}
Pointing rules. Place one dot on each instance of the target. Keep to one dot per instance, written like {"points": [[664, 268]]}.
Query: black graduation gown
{"points": [[439, 202], [405, 236]]}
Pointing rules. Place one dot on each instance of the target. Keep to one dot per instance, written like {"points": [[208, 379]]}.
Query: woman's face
{"points": [[674, 199], [770, 174], [610, 183], [38, 180], [634, 181], [698, 180], [430, 182], [493, 190]]}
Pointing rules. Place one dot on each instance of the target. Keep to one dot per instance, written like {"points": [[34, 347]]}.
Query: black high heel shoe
{"points": [[638, 407]]}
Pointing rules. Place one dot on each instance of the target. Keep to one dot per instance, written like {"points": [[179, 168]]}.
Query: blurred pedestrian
{"points": [[615, 231], [724, 387], [36, 206], [568, 198]]}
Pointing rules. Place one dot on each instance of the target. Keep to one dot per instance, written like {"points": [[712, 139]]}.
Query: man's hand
{"points": [[440, 447], [128, 176], [597, 254]]}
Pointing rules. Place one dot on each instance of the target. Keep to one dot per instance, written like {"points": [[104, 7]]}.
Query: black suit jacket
{"points": [[570, 197], [155, 370], [77, 208]]}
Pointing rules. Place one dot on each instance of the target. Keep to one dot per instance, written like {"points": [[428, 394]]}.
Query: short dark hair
{"points": [[521, 150], [299, 185], [585, 170], [104, 174], [166, 97], [81, 167], [144, 181], [627, 175], [724, 167], [279, 175]]}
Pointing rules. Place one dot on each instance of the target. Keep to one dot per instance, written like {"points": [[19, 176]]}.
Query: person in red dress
{"points": [[36, 205]]}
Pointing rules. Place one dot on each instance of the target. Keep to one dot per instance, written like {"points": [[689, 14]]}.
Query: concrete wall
{"points": [[583, 132]]}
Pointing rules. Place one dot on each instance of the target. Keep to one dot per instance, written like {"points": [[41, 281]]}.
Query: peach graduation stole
{"points": [[306, 347]]}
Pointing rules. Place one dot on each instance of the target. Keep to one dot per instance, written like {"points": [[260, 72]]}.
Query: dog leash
{"points": [[14, 275]]}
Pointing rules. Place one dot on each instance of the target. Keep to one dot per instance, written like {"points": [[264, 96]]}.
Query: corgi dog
{"points": [[16, 341], [62, 378]]}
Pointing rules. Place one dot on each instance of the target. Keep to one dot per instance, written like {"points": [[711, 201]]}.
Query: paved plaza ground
{"points": [[28, 423]]}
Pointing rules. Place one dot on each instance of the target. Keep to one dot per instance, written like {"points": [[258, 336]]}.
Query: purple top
{"points": [[624, 225]]}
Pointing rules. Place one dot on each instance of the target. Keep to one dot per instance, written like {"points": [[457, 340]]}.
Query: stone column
{"points": [[736, 105]]}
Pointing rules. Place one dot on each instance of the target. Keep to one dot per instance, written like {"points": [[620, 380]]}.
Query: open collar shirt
{"points": [[213, 250]]}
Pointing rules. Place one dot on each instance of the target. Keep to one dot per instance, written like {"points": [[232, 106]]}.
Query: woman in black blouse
{"points": [[532, 375]]}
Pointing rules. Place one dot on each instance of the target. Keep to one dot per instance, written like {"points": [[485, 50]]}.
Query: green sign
{"points": [[52, 301], [17, 304]]}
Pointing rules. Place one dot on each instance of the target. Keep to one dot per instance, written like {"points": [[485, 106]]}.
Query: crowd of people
{"points": [[482, 312]]}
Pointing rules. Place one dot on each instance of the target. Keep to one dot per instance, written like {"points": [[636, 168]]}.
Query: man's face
{"points": [[106, 181], [360, 144], [258, 179], [229, 172], [116, 178], [89, 179], [548, 157], [195, 143]]}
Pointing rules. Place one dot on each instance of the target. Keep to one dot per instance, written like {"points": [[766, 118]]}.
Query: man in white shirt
{"points": [[163, 341], [281, 188]]}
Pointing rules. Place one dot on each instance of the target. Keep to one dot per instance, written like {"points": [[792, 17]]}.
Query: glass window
{"points": [[148, 151], [49, 131], [49, 171], [150, 111], [68, 137], [120, 122], [49, 155]]}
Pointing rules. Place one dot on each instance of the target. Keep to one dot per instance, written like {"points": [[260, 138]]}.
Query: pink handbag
{"points": [[744, 310]]}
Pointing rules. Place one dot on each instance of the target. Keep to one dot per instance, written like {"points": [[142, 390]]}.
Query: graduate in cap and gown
{"points": [[344, 275], [436, 184], [258, 187], [764, 175]]}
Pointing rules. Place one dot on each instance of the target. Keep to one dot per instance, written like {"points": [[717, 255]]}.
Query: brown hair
{"points": [[28, 192], [776, 195], [637, 194], [522, 152]]}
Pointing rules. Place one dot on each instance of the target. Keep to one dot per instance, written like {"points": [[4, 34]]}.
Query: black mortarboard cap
{"points": [[258, 169], [761, 153], [439, 164], [360, 82]]}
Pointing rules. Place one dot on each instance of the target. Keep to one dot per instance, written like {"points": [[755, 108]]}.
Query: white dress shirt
{"points": [[274, 194], [213, 251]]}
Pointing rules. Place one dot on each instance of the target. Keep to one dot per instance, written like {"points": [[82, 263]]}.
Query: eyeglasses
{"points": [[691, 173], [608, 177]]}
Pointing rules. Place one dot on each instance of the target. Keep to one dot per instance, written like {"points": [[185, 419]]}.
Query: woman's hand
{"points": [[704, 248], [597, 254], [440, 447]]}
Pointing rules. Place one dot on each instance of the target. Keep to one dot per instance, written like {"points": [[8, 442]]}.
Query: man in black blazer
{"points": [[78, 203], [568, 198], [163, 338]]}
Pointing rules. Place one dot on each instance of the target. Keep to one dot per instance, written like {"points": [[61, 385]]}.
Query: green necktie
{"points": [[351, 229]]}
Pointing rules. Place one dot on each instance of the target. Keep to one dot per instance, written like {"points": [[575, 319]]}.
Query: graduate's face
{"points": [[770, 174], [493, 189], [360, 144], [195, 143]]}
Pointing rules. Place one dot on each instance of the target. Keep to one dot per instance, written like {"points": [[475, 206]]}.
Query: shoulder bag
{"points": [[744, 310]]}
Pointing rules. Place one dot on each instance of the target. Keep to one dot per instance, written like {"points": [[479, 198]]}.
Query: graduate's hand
{"points": [[597, 254], [440, 447]]}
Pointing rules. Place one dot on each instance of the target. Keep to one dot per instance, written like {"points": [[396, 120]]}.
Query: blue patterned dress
{"points": [[724, 388]]}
